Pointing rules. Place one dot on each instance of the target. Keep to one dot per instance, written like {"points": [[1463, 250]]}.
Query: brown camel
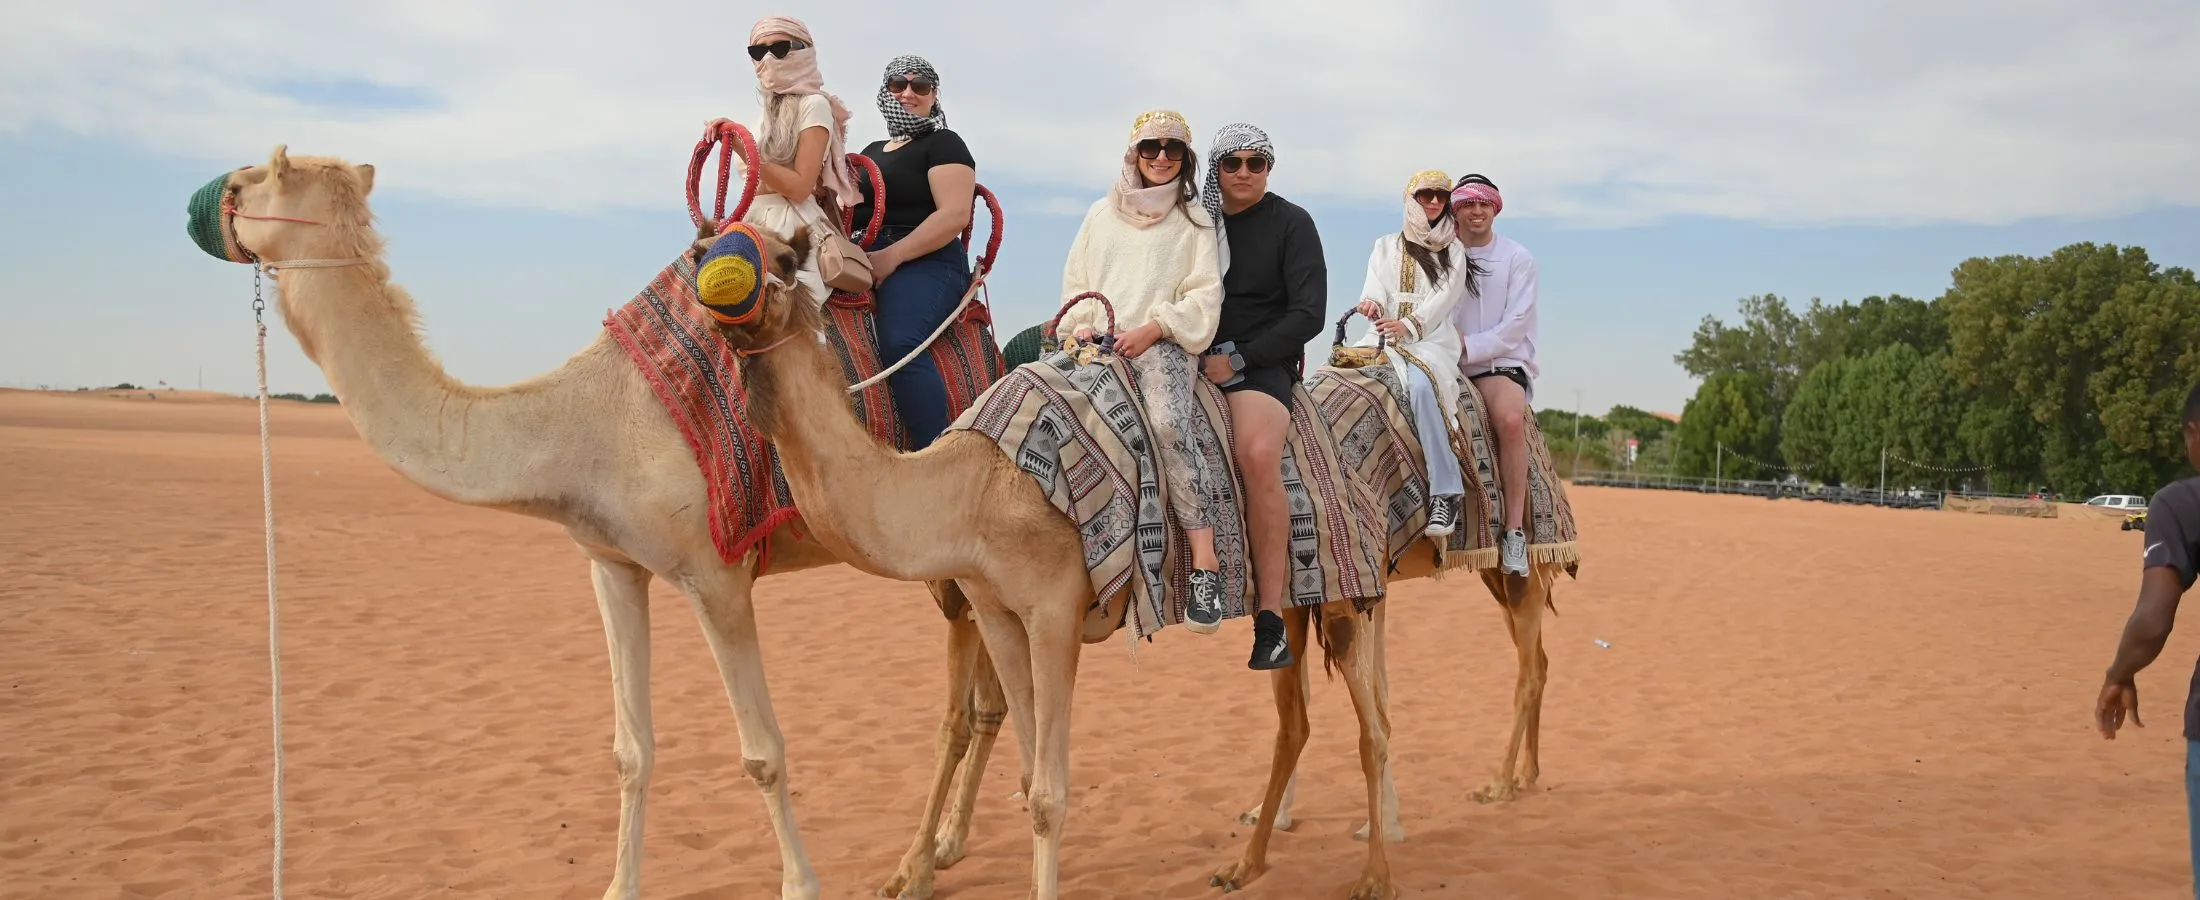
{"points": [[586, 446], [1020, 562]]}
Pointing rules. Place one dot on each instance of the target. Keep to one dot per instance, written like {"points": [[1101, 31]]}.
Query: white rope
{"points": [[975, 284], [274, 633]]}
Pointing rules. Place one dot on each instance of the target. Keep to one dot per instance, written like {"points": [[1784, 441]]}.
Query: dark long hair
{"points": [[1435, 265], [1187, 183]]}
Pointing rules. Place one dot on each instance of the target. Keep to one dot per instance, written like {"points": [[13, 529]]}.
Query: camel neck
{"points": [[459, 442], [858, 496]]}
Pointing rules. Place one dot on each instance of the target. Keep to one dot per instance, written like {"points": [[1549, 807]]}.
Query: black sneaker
{"points": [[1203, 612], [1271, 649], [1443, 516]]}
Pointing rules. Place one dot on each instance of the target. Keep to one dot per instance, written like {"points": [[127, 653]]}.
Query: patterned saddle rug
{"points": [[1355, 476], [665, 331]]}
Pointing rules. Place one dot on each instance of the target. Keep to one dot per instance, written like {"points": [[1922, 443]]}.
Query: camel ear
{"points": [[365, 172], [788, 259], [279, 164]]}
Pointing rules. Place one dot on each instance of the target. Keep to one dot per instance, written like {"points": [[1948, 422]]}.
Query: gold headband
{"points": [[1428, 179], [1162, 118]]}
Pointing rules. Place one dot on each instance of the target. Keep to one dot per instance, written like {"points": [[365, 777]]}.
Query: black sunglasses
{"points": [[922, 85], [1151, 149], [1253, 164], [778, 49], [1431, 195]]}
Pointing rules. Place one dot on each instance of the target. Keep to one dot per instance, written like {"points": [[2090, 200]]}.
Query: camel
{"points": [[907, 516], [587, 446]]}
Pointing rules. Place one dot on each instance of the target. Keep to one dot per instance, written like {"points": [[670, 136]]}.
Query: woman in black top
{"points": [[918, 266]]}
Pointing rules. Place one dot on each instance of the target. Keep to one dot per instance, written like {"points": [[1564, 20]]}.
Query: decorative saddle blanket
{"points": [[665, 331], [1082, 432]]}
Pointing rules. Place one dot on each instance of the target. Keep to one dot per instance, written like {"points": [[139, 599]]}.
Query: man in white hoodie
{"points": [[1498, 328]]}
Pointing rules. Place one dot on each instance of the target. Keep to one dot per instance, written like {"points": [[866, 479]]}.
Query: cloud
{"points": [[1589, 111]]}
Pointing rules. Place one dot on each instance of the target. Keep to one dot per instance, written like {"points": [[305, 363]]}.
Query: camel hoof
{"points": [[1373, 888], [1395, 834], [904, 887], [1502, 791], [949, 852], [1236, 875]]}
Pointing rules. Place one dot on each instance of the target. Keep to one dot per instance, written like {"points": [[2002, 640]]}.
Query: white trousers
{"points": [[1444, 476]]}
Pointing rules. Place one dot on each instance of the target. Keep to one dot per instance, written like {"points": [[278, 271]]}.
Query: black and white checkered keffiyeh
{"points": [[1230, 139], [899, 123]]}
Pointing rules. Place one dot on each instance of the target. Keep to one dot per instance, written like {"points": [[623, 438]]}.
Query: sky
{"points": [[1660, 159]]}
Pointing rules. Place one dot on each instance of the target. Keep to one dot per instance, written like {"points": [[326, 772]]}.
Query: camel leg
{"points": [[913, 880], [988, 708], [1523, 601], [1291, 731], [1291, 786], [1362, 676], [622, 597], [1394, 831], [723, 605], [1034, 650]]}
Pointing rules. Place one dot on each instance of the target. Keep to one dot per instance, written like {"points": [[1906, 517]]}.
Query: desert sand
{"points": [[1797, 701]]}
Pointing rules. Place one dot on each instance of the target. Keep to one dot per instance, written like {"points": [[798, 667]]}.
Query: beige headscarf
{"points": [[1417, 228], [797, 75], [1140, 204]]}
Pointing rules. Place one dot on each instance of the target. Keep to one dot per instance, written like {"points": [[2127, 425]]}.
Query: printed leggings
{"points": [[1191, 458]]}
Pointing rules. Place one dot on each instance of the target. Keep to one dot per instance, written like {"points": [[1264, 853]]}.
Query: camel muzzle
{"points": [[210, 225]]}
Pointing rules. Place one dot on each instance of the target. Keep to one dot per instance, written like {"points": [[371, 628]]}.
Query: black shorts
{"points": [[1516, 374], [1275, 381]]}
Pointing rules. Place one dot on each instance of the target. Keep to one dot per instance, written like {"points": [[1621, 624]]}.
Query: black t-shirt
{"points": [[2173, 540], [1276, 291], [907, 173]]}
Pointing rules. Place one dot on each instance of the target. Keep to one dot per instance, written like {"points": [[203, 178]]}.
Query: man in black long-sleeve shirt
{"points": [[1274, 296]]}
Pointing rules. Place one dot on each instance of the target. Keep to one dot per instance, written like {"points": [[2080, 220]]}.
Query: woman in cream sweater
{"points": [[1415, 278], [1152, 252]]}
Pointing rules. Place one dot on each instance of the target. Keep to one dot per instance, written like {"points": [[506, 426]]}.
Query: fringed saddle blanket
{"points": [[1368, 411], [1082, 432], [665, 331]]}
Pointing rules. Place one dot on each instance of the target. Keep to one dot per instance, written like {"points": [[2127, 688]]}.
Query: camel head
{"points": [[756, 313], [308, 207]]}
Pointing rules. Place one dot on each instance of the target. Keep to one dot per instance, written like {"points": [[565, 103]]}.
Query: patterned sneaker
{"points": [[1514, 549], [1271, 649], [1203, 612], [1443, 516]]}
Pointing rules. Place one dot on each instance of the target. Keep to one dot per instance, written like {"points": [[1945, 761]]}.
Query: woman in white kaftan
{"points": [[1415, 277]]}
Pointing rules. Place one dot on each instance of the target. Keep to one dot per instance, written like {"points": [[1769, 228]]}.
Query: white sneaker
{"points": [[1513, 549]]}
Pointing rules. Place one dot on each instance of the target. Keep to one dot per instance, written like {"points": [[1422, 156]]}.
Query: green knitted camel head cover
{"points": [[1023, 348], [206, 226]]}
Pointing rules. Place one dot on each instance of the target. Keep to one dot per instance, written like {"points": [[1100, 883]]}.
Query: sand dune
{"points": [[1798, 701]]}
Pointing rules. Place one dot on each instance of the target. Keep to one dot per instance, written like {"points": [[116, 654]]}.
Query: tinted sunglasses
{"points": [[778, 49], [1253, 164], [1152, 149], [920, 84], [1431, 195]]}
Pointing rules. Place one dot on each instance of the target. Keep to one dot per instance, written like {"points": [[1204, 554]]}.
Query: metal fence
{"points": [[1906, 498]]}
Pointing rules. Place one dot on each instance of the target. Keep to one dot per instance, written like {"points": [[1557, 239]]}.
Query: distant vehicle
{"points": [[2118, 501], [2135, 522]]}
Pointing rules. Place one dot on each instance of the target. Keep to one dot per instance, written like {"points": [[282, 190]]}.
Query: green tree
{"points": [[1733, 409], [1763, 346]]}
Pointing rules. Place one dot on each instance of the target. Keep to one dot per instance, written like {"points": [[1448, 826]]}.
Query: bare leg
{"points": [[622, 596], [1361, 675], [1203, 548], [989, 707], [1523, 600], [722, 604], [1291, 732], [1508, 411], [1261, 427], [913, 880]]}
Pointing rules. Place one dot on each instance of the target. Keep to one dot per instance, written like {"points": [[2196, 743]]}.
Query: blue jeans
{"points": [[911, 302], [2192, 809]]}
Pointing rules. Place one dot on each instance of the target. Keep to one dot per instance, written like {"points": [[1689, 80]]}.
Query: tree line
{"points": [[2063, 373]]}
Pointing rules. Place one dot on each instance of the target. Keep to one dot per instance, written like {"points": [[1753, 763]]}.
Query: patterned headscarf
{"points": [[1417, 228], [1230, 139], [1148, 205], [899, 121], [1476, 187]]}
